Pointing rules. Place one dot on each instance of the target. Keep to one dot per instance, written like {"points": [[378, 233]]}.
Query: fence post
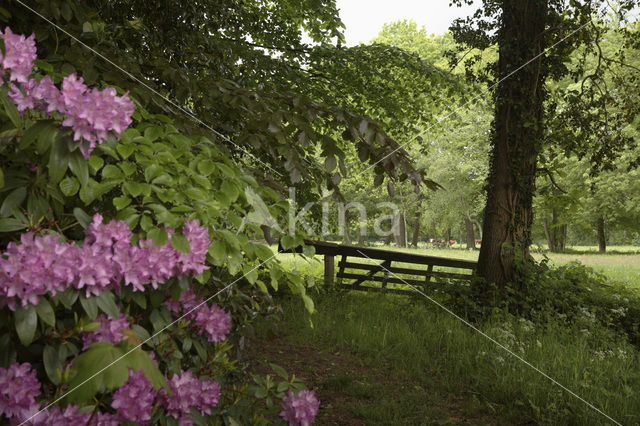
{"points": [[329, 268]]}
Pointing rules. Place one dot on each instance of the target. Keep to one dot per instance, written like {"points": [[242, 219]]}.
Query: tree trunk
{"points": [[416, 230], [447, 238], [516, 137], [547, 234], [471, 238], [402, 230], [602, 238], [416, 222]]}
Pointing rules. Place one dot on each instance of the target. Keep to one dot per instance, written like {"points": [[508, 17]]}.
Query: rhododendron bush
{"points": [[115, 232]]}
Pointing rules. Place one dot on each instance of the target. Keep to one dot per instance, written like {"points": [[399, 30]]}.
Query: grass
{"points": [[622, 265], [430, 349], [449, 373]]}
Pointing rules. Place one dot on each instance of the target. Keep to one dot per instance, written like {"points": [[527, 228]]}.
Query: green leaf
{"points": [[137, 188], [112, 172], [58, 161], [206, 167], [153, 133], [69, 186], [26, 320], [140, 332], [159, 236], [330, 163], [151, 172], [106, 303], [95, 368], [52, 363], [11, 110], [263, 251], [35, 131], [90, 305], [121, 202], [279, 371], [180, 243], [218, 251], [96, 163], [79, 167], [68, 297], [140, 360], [125, 150], [11, 225], [45, 312], [14, 199], [83, 218]]}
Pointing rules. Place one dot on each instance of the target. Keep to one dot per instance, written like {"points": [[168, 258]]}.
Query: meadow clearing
{"points": [[388, 359]]}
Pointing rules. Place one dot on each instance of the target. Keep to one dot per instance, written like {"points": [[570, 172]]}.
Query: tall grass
{"points": [[419, 340]]}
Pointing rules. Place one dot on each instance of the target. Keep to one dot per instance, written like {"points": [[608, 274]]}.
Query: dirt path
{"points": [[355, 393]]}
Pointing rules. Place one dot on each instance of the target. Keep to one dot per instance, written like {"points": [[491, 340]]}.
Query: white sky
{"points": [[364, 18]]}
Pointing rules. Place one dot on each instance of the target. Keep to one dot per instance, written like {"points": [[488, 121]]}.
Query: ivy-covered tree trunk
{"points": [[516, 138], [416, 222]]}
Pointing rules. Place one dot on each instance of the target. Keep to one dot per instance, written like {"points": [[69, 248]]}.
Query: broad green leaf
{"points": [[58, 160], [97, 367], [69, 186], [180, 243], [45, 312], [159, 236], [137, 188], [140, 360], [151, 172], [218, 251], [330, 163], [11, 225], [96, 163], [279, 371], [67, 297], [263, 251], [26, 320], [125, 150], [90, 305], [11, 110], [79, 167], [121, 202], [35, 132], [154, 132], [206, 167], [107, 305], [14, 199], [52, 363], [111, 172], [83, 218]]}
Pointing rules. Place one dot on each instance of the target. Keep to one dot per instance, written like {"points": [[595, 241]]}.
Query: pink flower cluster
{"points": [[20, 52], [91, 113], [42, 265], [189, 392], [19, 388], [110, 330], [134, 400], [212, 321], [301, 409]]}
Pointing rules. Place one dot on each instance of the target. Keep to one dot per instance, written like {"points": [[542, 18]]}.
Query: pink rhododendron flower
{"points": [[301, 409], [19, 57], [189, 392], [19, 388], [134, 400], [110, 330], [41, 265], [90, 113], [211, 321]]}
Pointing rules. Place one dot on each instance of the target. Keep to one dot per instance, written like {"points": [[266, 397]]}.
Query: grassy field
{"points": [[385, 359], [621, 264]]}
